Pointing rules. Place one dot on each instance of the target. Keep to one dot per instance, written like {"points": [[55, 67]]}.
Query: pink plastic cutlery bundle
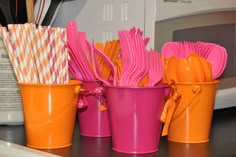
{"points": [[129, 64]]}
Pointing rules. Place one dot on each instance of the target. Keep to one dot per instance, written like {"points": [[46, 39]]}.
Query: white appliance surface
{"points": [[166, 9], [12, 150]]}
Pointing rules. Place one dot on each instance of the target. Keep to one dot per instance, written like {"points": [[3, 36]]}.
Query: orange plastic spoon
{"points": [[207, 69], [195, 62], [185, 71], [170, 68]]}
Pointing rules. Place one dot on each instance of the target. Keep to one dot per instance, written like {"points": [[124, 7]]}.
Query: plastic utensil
{"points": [[195, 62], [170, 49], [216, 54], [77, 51], [111, 51], [94, 50], [134, 57], [164, 65], [74, 69], [205, 48], [207, 68], [189, 48], [179, 49], [171, 69], [218, 58], [118, 65], [155, 70], [127, 56], [185, 72], [141, 60]]}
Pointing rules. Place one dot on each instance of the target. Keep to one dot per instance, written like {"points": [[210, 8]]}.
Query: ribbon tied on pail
{"points": [[172, 102], [98, 93]]}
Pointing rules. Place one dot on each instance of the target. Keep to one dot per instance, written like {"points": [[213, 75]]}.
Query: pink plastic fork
{"points": [[127, 55], [96, 69], [78, 52], [155, 71], [141, 60]]}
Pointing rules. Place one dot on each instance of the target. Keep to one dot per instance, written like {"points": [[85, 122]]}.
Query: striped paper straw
{"points": [[65, 57], [14, 31], [35, 42], [60, 65], [38, 55], [61, 54], [40, 51], [45, 48], [28, 33], [12, 56], [55, 56], [51, 55]]}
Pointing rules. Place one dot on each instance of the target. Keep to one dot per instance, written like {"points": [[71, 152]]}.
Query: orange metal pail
{"points": [[188, 116], [49, 113]]}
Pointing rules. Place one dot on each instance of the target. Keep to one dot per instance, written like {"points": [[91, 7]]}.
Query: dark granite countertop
{"points": [[222, 141]]}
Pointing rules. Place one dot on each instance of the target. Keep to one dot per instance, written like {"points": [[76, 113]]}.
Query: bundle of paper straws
{"points": [[37, 54]]}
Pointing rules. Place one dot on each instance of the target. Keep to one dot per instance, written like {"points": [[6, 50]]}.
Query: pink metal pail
{"points": [[92, 121], [135, 117]]}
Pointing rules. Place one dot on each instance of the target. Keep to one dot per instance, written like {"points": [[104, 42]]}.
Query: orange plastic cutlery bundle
{"points": [[111, 49], [193, 68]]}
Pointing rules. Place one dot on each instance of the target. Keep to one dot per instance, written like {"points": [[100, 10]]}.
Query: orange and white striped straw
{"points": [[50, 55], [40, 51], [66, 51], [24, 41], [54, 59], [65, 56], [28, 34], [60, 65], [12, 56], [18, 49], [38, 55]]}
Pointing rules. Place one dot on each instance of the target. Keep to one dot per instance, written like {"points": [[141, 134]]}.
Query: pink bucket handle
{"points": [[170, 106], [98, 93]]}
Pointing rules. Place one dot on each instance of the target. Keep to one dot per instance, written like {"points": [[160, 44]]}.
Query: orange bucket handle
{"points": [[170, 105]]}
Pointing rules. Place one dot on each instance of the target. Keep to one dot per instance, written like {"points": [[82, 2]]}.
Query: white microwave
{"points": [[163, 21], [202, 20]]}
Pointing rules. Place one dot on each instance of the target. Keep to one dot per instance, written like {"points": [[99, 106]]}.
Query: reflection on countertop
{"points": [[222, 142]]}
